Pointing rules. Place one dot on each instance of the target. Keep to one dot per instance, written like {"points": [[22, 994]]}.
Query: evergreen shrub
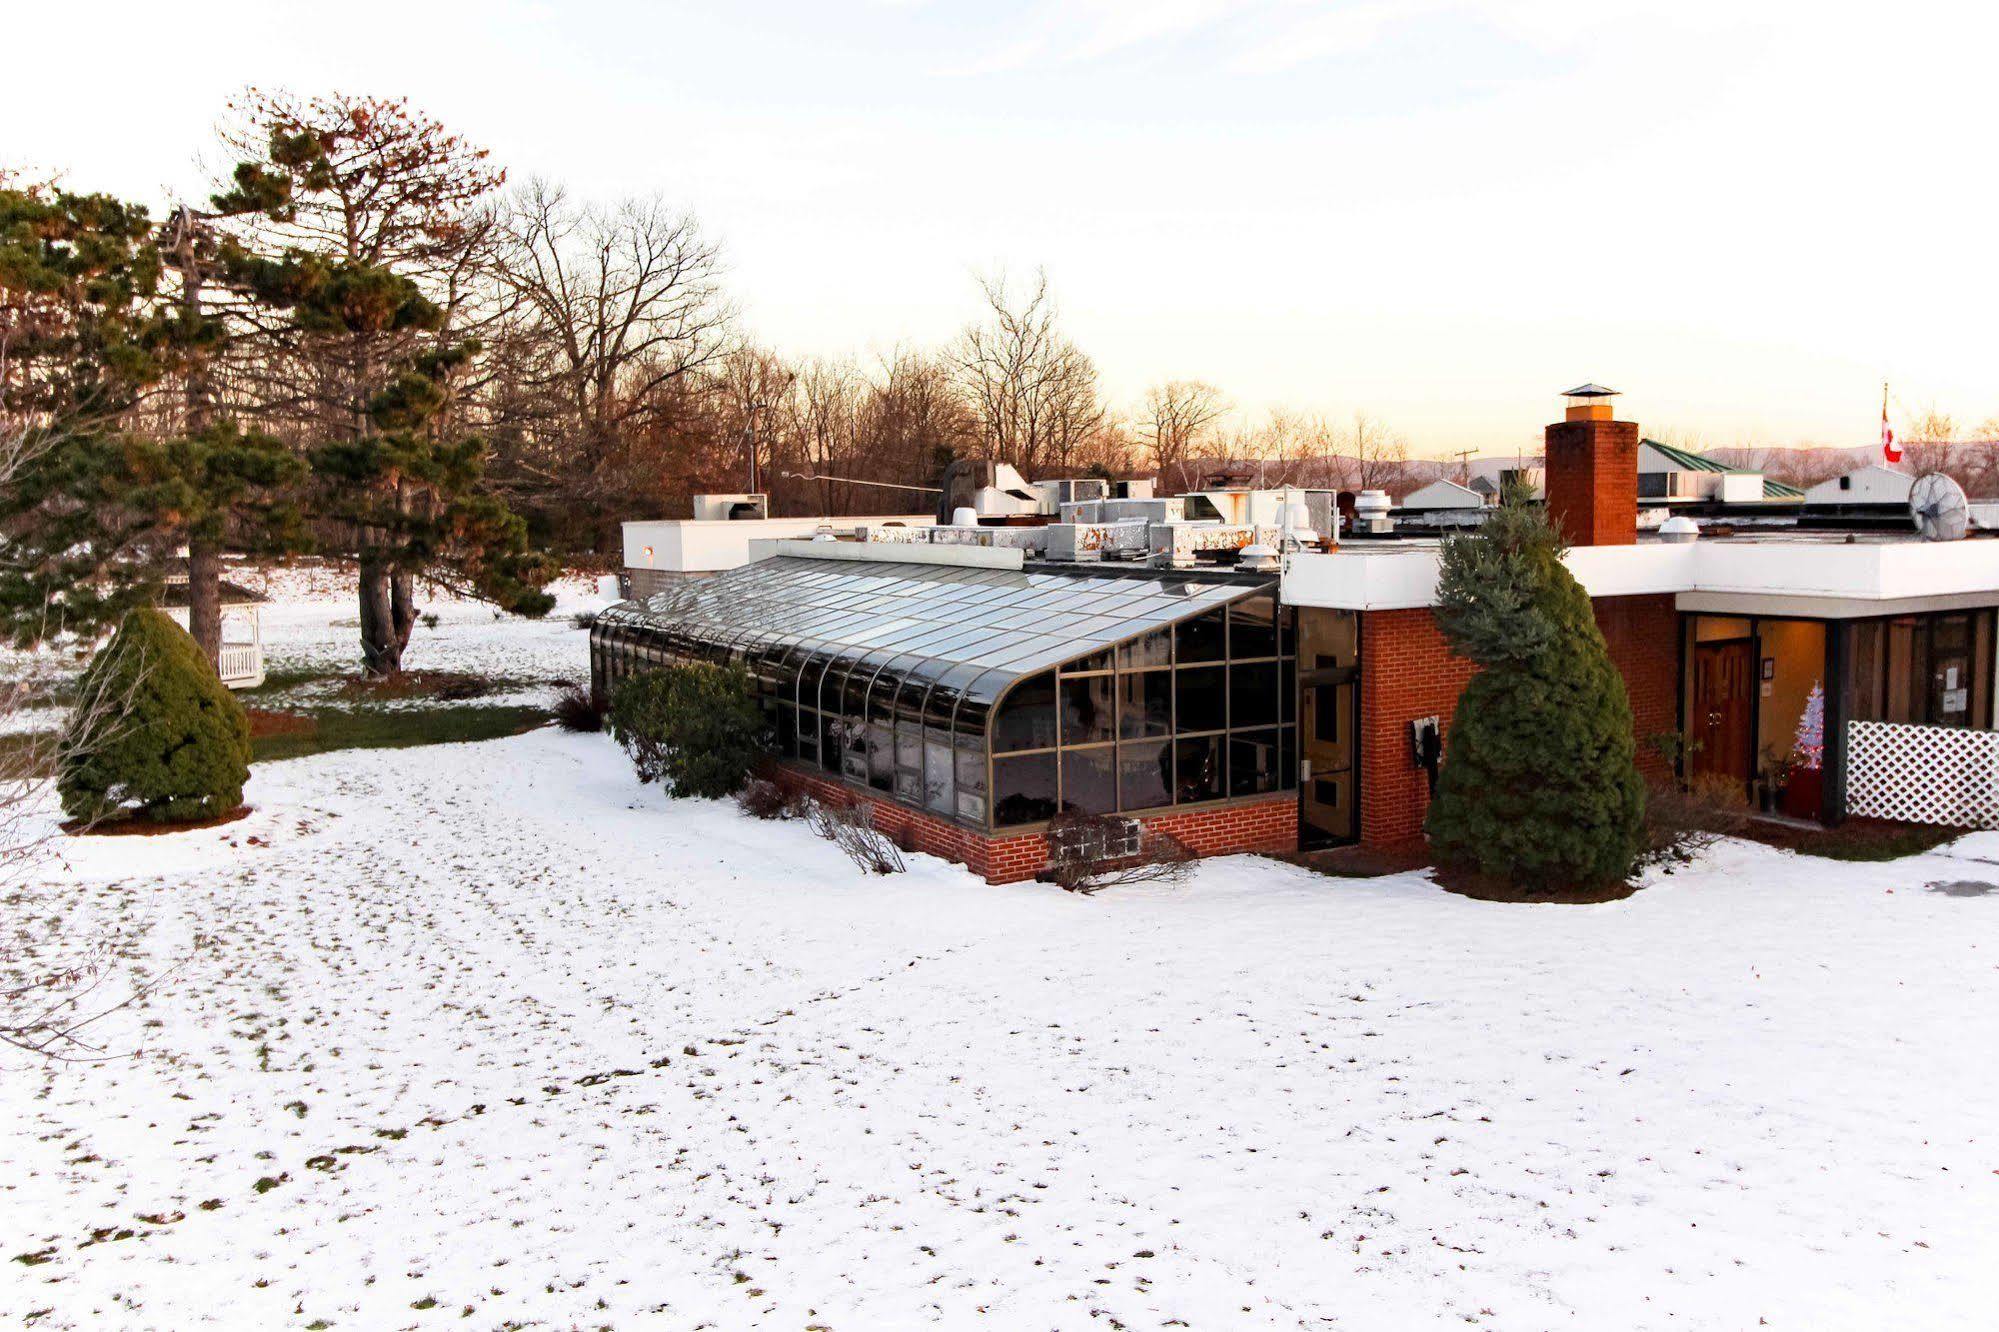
{"points": [[695, 728], [154, 735]]}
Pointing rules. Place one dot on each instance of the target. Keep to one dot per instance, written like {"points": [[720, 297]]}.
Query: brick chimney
{"points": [[1592, 471]]}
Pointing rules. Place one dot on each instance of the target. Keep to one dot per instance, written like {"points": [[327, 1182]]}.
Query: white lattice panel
{"points": [[1922, 774]]}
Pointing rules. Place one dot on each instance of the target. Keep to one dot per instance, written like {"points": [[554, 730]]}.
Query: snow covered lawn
{"points": [[489, 1030]]}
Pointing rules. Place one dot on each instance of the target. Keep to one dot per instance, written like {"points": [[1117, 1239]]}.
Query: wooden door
{"points": [[1724, 711]]}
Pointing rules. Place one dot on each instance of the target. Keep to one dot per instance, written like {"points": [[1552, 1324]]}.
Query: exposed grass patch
{"points": [[1855, 839], [374, 728], [277, 679]]}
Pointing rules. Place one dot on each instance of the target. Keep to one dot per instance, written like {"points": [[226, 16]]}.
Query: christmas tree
{"points": [[1809, 747]]}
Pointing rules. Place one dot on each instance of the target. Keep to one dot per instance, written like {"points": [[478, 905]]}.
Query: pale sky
{"points": [[1746, 215]]}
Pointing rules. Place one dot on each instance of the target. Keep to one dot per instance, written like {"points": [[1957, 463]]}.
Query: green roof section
{"points": [[1696, 462], [1688, 462]]}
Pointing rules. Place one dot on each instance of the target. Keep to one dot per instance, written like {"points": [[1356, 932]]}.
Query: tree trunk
{"points": [[402, 609], [204, 600], [381, 650], [204, 558]]}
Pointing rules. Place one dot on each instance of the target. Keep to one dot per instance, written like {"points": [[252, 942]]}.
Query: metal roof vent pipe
{"points": [[1259, 558], [824, 532], [1679, 530]]}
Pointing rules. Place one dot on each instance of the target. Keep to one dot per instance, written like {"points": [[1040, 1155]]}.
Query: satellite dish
{"points": [[1938, 506]]}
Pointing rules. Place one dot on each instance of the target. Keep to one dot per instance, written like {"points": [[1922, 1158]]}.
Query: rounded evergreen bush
{"points": [[154, 735], [1540, 786], [694, 727]]}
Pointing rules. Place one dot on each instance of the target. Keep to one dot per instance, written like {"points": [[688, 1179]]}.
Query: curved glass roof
{"points": [[976, 629]]}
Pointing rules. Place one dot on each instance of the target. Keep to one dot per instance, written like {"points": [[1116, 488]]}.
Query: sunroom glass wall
{"points": [[1198, 713], [1137, 717]]}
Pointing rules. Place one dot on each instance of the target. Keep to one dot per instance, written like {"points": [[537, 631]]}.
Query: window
{"points": [[1255, 765], [1090, 780], [1197, 766], [1253, 627], [1087, 716], [1202, 638], [1253, 694], [1145, 704], [1154, 649], [1024, 789], [1145, 774], [1026, 720], [1201, 696]]}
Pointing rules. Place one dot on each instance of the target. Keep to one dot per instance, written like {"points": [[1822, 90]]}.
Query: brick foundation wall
{"points": [[1408, 671], [1266, 825]]}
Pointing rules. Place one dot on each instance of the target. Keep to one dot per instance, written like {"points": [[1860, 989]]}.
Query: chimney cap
{"points": [[1591, 390]]}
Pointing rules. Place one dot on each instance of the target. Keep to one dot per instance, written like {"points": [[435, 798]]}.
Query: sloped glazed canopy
{"points": [[891, 674]]}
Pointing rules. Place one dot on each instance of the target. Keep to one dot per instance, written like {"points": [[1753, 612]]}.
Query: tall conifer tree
{"points": [[1540, 787]]}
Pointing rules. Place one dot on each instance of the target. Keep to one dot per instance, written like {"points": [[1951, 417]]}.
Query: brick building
{"points": [[973, 688]]}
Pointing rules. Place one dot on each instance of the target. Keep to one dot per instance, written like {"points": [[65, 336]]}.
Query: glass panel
{"points": [[1197, 767], [1254, 762], [1153, 649], [1145, 703], [1202, 699], [1253, 627], [1145, 774], [940, 792], [1253, 694], [829, 740], [971, 763], [1202, 638], [1096, 661], [1089, 780], [1086, 710], [1023, 789], [1026, 719], [881, 755]]}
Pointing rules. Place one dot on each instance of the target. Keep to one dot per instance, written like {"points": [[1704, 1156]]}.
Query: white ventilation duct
{"points": [[1679, 530]]}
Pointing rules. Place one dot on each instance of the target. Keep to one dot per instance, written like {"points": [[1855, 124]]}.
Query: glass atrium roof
{"points": [[986, 628]]}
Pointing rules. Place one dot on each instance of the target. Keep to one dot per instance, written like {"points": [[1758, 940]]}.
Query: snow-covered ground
{"points": [[490, 1036], [312, 625], [311, 634]]}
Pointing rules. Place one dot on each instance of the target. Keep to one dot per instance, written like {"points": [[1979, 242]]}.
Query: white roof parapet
{"points": [[881, 552], [1832, 577]]}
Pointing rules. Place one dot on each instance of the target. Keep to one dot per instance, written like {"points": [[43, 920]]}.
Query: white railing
{"points": [[239, 661], [1922, 774]]}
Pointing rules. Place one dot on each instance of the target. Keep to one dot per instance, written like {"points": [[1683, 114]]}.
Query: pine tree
{"points": [[102, 501], [1539, 786], [359, 208], [79, 343]]}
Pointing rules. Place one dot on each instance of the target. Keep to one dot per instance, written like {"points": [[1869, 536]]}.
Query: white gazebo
{"points": [[241, 665]]}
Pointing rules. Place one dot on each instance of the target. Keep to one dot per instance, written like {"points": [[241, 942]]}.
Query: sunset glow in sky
{"points": [[1746, 215]]}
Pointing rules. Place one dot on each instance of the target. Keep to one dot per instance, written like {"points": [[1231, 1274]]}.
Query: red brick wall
{"points": [[1592, 481], [1407, 671], [1268, 825]]}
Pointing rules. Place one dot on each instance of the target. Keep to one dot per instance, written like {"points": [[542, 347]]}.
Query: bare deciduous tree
{"points": [[1177, 418], [1032, 390]]}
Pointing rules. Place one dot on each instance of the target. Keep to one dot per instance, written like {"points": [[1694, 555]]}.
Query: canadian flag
{"points": [[1890, 450]]}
